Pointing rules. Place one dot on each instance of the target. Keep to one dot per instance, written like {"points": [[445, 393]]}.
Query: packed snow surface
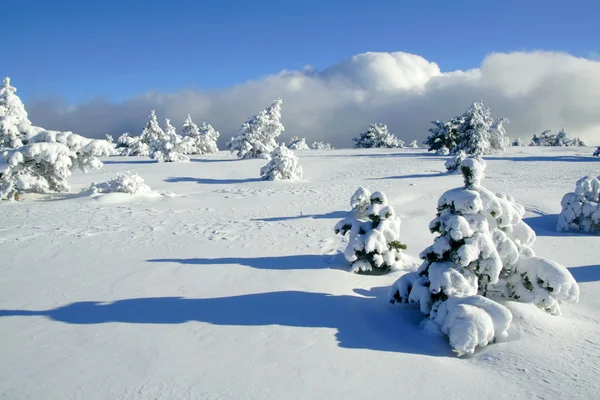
{"points": [[235, 288]]}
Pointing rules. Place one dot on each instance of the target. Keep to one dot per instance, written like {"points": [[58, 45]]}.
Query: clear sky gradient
{"points": [[115, 49]]}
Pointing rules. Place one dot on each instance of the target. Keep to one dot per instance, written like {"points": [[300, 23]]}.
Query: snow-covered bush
{"points": [[14, 124], [297, 143], [256, 137], [518, 142], [132, 146], [597, 152], [377, 136], [475, 132], [453, 163], [283, 165], [321, 146], [581, 208], [374, 234], [198, 140], [547, 138], [125, 182], [413, 144], [483, 253], [168, 147]]}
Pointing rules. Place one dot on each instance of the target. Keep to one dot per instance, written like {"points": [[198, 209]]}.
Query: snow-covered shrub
{"points": [[36, 167], [132, 146], [374, 234], [547, 138], [377, 136], [597, 152], [125, 182], [581, 208], [168, 147], [283, 165], [321, 146], [453, 163], [297, 143], [475, 132], [256, 137], [483, 253], [413, 144], [198, 140], [518, 142], [109, 138]]}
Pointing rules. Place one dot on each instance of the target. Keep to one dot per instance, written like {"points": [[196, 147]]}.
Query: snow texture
{"points": [[475, 132], [581, 208], [256, 137], [377, 136], [374, 234], [282, 165], [483, 249]]}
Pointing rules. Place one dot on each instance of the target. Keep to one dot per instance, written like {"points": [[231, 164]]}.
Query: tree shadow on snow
{"points": [[414, 176], [586, 273], [331, 215], [210, 181], [213, 160], [295, 262], [589, 158], [545, 225], [362, 321]]}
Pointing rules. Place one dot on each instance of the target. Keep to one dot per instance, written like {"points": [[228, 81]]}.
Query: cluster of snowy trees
{"points": [[33, 159], [167, 145], [547, 138], [374, 234], [377, 136], [581, 208], [475, 132], [483, 253]]}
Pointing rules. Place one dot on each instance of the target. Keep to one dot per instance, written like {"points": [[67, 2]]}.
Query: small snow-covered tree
{"points": [[256, 137], [298, 144], [597, 152], [152, 134], [14, 123], [581, 208], [198, 140], [109, 138], [483, 253], [518, 142], [475, 132], [413, 144], [374, 234], [125, 182], [283, 165], [321, 146], [453, 163], [547, 138], [377, 136], [168, 147], [132, 146]]}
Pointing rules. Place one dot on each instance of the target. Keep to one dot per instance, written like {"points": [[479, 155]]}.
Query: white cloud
{"points": [[535, 90]]}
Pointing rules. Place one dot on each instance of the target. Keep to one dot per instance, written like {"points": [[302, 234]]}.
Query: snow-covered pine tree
{"points": [[14, 123], [256, 137], [198, 140], [374, 245], [168, 148], [282, 165], [132, 146], [454, 162], [483, 252], [581, 208], [152, 134], [321, 146], [297, 143], [377, 136], [475, 132], [518, 142], [413, 144]]}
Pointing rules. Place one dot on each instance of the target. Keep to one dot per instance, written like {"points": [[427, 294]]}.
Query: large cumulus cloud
{"points": [[535, 90]]}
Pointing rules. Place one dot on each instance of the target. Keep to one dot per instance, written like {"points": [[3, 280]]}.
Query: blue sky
{"points": [[80, 50]]}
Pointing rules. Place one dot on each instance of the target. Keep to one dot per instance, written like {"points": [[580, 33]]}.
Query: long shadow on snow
{"points": [[361, 322], [586, 273], [109, 162], [589, 158], [545, 225], [213, 160], [413, 176], [331, 215], [211, 181], [308, 261]]}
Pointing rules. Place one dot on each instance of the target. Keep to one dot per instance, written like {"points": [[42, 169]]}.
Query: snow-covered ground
{"points": [[234, 287]]}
